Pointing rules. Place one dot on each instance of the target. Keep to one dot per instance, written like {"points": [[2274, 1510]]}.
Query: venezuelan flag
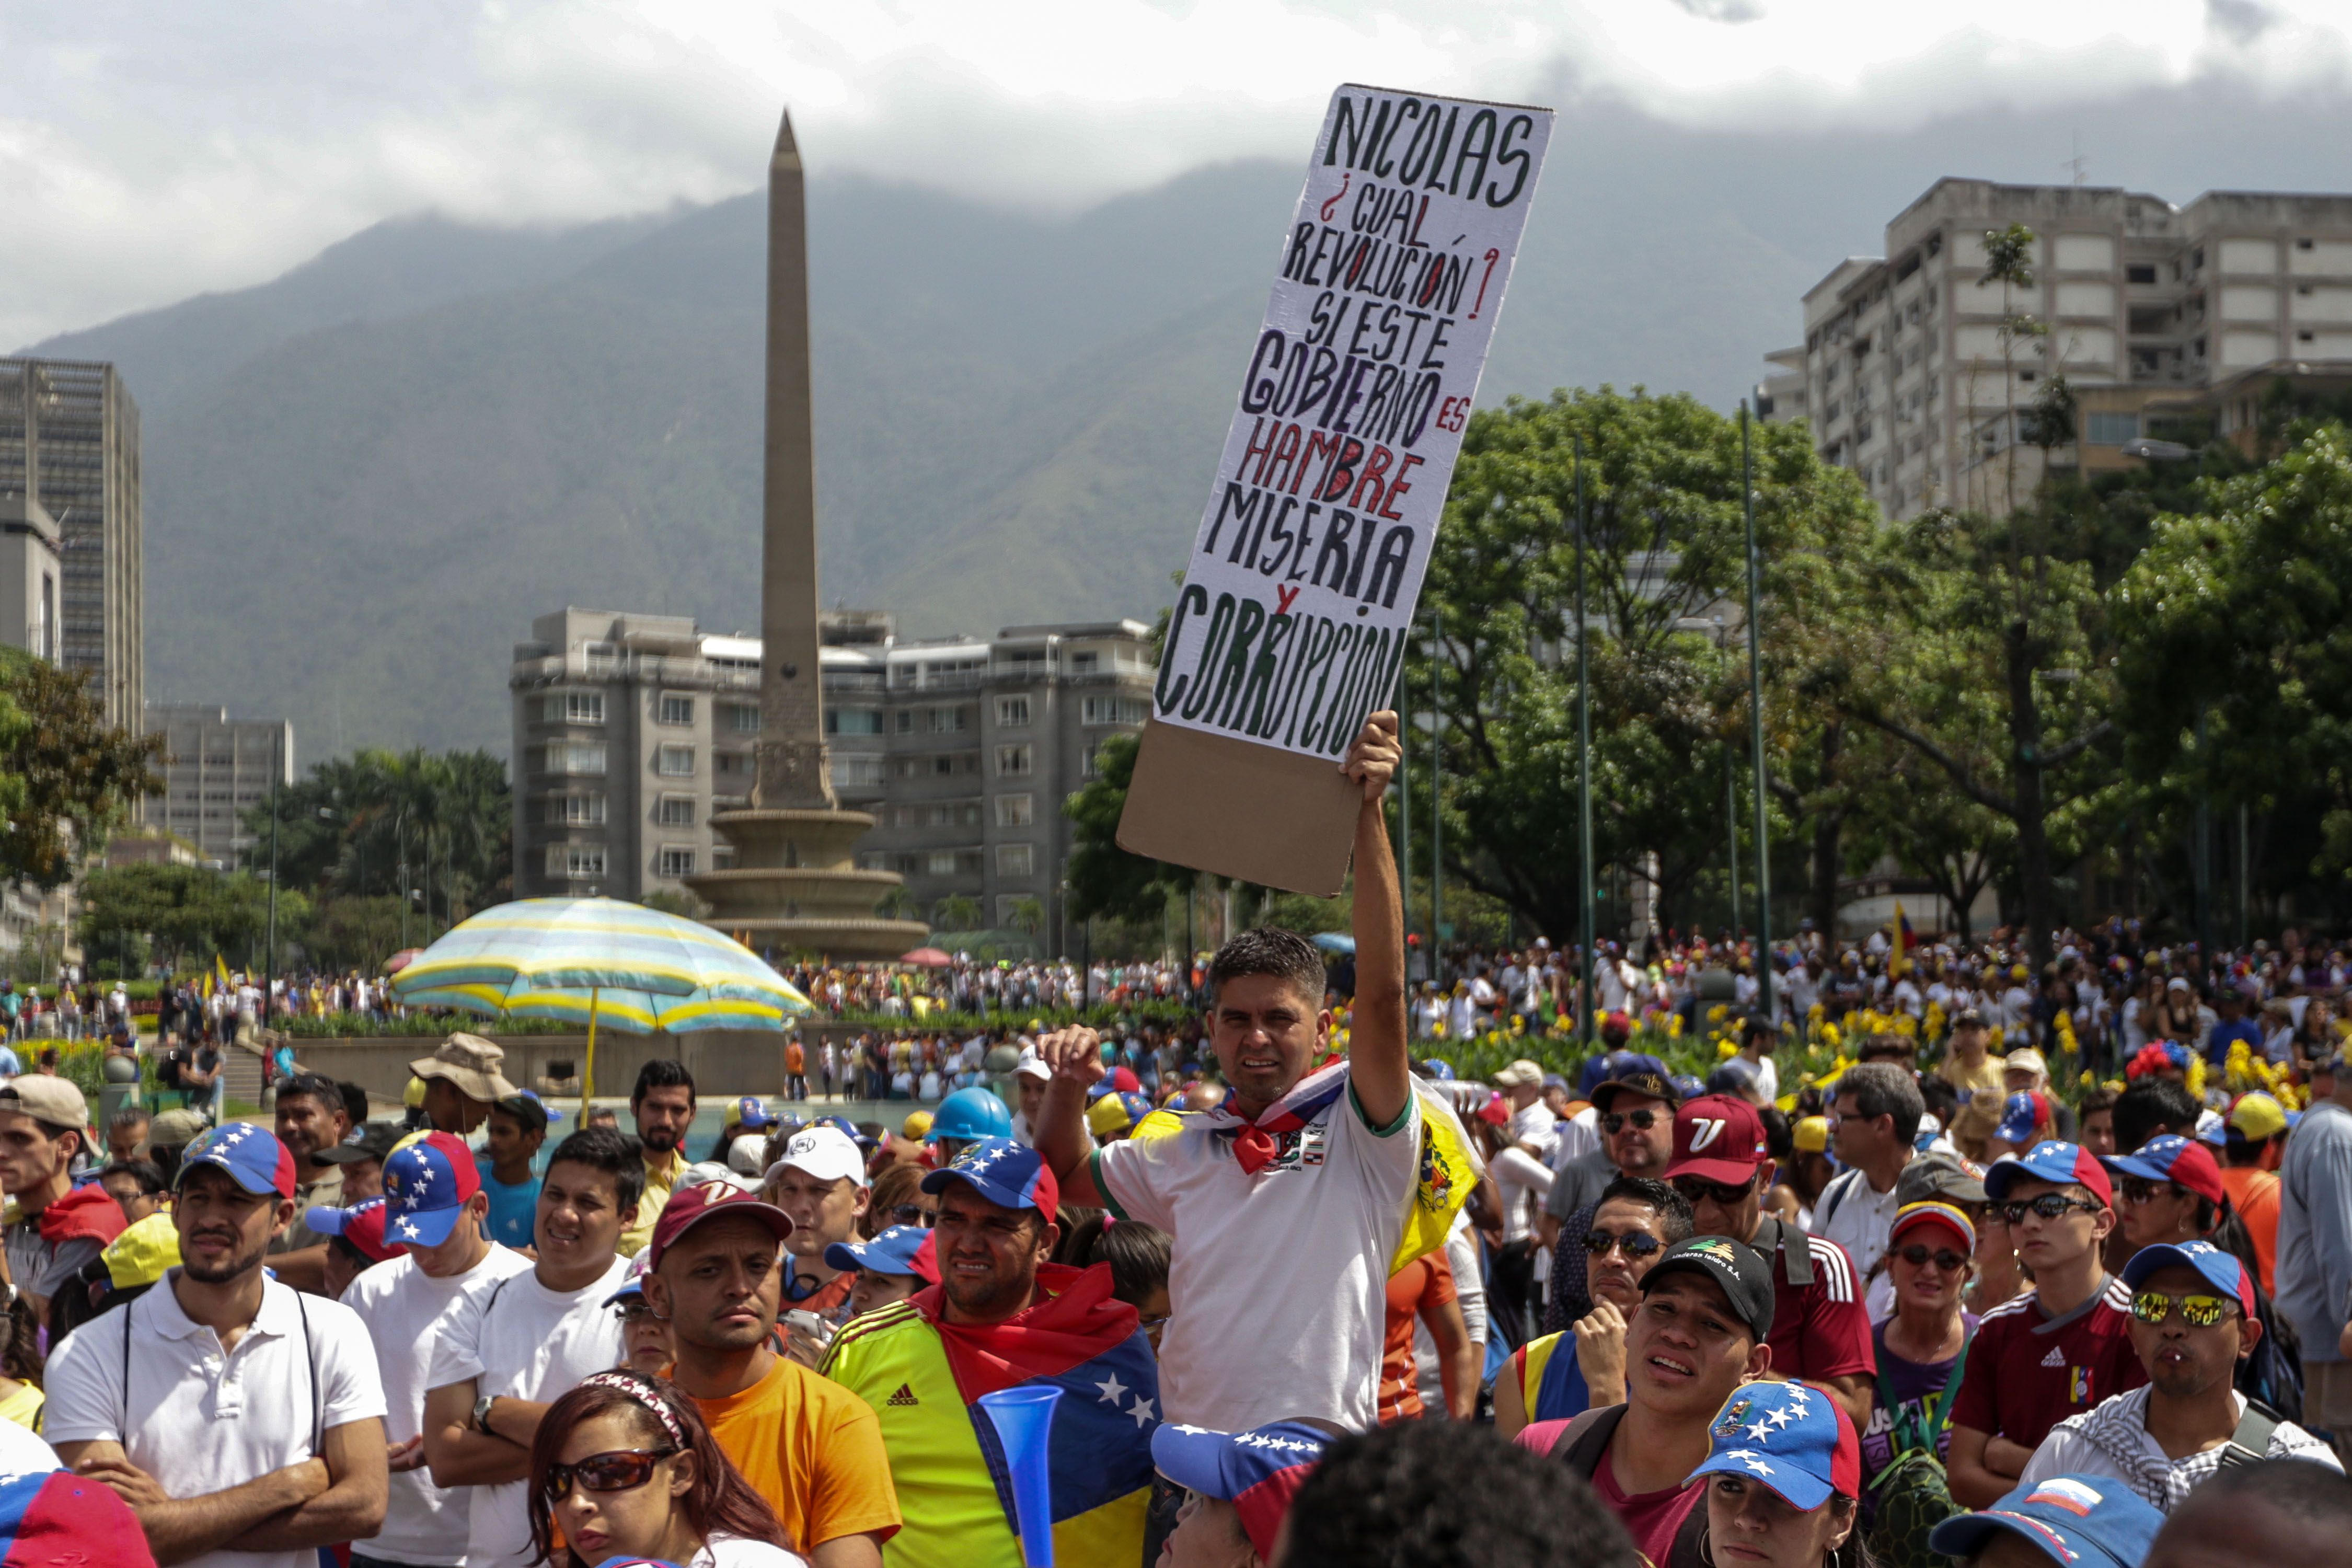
{"points": [[924, 1376]]}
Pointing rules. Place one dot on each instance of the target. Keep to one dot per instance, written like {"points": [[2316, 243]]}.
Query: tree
{"points": [[188, 913], [1028, 917], [958, 913], [67, 777], [683, 903], [353, 933], [1105, 880], [395, 824]]}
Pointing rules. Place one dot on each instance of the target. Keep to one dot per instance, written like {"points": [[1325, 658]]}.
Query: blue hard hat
{"points": [[970, 1115]]}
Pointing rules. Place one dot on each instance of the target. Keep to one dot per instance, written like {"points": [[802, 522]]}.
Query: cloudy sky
{"points": [[150, 151]]}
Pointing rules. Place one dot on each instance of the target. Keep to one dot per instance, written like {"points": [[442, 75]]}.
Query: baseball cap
{"points": [[1718, 1139], [1520, 1074], [1743, 1274], [471, 1063], [1634, 1072], [52, 1101], [2219, 1268], [1911, 1216], [141, 1254], [749, 1112], [822, 1151], [426, 1185], [1792, 1438], [2021, 1113], [711, 1200], [1968, 1018], [527, 1110], [1809, 1134], [2081, 1521], [1032, 1066], [891, 1251], [368, 1140], [2256, 1117], [173, 1128], [361, 1225], [1258, 1471], [1003, 1172], [633, 1282], [2025, 1059], [2051, 1160], [2172, 1158], [1123, 1079], [1939, 1176], [748, 1156], [252, 1157]]}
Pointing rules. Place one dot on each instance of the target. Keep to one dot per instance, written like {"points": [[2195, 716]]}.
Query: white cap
{"points": [[1031, 1066], [826, 1153], [748, 1153], [703, 1172]]}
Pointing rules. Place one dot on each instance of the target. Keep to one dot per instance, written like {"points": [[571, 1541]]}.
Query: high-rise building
{"points": [[2169, 324], [70, 446], [631, 731], [215, 769]]}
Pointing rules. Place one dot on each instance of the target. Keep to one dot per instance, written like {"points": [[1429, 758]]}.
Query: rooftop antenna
{"points": [[2076, 162]]}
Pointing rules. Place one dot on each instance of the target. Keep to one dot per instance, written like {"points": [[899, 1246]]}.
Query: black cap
{"points": [[368, 1140], [1968, 1018], [1940, 1177], [1743, 1274], [1645, 1083]]}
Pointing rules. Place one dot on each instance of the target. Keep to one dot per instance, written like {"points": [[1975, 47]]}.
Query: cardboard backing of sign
{"points": [[1238, 809]]}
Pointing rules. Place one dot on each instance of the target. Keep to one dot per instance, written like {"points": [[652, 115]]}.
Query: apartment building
{"points": [[631, 730], [215, 769], [70, 459], [2167, 323]]}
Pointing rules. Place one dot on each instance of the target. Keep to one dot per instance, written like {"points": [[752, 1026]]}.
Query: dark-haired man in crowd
{"points": [[1636, 1108], [311, 1121], [1286, 1204], [663, 1105], [43, 1123]]}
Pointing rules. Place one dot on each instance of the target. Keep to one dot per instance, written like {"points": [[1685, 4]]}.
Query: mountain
{"points": [[365, 477]]}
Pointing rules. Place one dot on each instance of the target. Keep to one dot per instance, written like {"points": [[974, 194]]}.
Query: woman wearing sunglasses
{"points": [[1783, 1476], [1564, 1374], [622, 1469], [1923, 1343]]}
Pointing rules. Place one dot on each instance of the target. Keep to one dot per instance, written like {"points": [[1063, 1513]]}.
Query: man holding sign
{"points": [[1286, 1202]]}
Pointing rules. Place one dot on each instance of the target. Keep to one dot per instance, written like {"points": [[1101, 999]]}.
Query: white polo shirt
{"points": [[1279, 1280], [200, 1420]]}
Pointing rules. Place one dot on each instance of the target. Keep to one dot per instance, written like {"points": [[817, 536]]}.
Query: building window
{"points": [[722, 856], [1085, 663], [1013, 710], [1013, 859], [1112, 711], [948, 720], [677, 862], [2140, 273], [853, 721], [575, 808], [906, 720], [744, 719], [675, 709], [1012, 761], [856, 770], [675, 811], [675, 762], [576, 757], [1013, 810], [2110, 429], [575, 862], [570, 707], [941, 863]]}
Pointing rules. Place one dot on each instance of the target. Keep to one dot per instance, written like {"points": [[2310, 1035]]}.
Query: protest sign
{"points": [[1291, 623]]}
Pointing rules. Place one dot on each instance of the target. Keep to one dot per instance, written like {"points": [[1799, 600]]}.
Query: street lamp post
{"points": [[277, 766], [1590, 991], [1756, 717]]}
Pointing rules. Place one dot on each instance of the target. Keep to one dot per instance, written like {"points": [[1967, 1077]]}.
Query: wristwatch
{"points": [[482, 1412]]}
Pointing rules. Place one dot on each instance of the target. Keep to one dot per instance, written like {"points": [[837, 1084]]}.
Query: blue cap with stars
{"points": [[426, 1188], [1003, 1172], [1792, 1438], [252, 1157], [1258, 1471]]}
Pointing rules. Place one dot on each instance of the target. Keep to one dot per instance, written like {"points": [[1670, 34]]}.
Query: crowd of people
{"points": [[1325, 1305]]}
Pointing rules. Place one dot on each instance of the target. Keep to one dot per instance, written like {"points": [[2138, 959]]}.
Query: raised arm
{"points": [[350, 1509], [1378, 1066], [1076, 1057]]}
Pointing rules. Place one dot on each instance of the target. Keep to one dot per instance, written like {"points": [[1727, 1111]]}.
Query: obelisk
{"points": [[791, 770], [794, 885]]}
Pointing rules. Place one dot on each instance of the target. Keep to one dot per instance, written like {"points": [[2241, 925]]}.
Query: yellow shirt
{"points": [[661, 1179], [23, 1406]]}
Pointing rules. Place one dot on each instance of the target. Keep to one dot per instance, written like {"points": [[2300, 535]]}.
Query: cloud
{"points": [[151, 152]]}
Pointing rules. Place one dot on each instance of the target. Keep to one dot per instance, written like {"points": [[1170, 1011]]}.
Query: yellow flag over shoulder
{"points": [[1450, 1167]]}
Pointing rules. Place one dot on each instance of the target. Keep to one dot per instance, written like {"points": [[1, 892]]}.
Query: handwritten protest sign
{"points": [[1291, 623]]}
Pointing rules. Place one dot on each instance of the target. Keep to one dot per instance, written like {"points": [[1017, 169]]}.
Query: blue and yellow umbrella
{"points": [[599, 961]]}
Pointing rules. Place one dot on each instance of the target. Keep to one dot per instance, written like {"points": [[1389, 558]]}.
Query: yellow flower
{"points": [[1674, 1025], [1717, 1013], [1724, 1051], [1830, 1035]]}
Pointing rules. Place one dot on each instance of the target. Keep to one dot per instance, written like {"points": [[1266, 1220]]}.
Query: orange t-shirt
{"points": [[795, 1057], [813, 1450], [1424, 1285], [2255, 1195]]}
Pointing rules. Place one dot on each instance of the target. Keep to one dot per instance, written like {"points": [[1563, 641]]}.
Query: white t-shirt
{"points": [[1278, 1279], [22, 1452], [736, 1552], [518, 1339], [405, 1311], [1859, 1222], [201, 1421], [1533, 1124]]}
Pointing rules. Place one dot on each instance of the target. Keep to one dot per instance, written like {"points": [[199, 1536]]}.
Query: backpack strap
{"points": [[1833, 1198], [1583, 1440], [2251, 1443], [318, 1397], [1772, 1235]]}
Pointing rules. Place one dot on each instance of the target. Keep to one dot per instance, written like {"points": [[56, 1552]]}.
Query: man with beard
{"points": [[242, 1421], [1635, 1106], [311, 1121], [810, 1447], [1003, 1317], [663, 1104], [2193, 1322]]}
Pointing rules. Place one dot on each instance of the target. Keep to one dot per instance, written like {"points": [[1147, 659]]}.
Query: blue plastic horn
{"points": [[1024, 1419]]}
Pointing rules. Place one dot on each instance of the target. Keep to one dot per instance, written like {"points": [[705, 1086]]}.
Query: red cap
{"points": [[1718, 1139], [690, 1206], [1495, 1112]]}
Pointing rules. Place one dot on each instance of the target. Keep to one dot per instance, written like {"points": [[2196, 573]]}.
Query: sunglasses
{"points": [[1633, 1244], [1643, 1120], [621, 1471], [2152, 1306], [913, 1214], [633, 1311], [1693, 1188], [1920, 1256], [2048, 1205], [2140, 1190]]}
